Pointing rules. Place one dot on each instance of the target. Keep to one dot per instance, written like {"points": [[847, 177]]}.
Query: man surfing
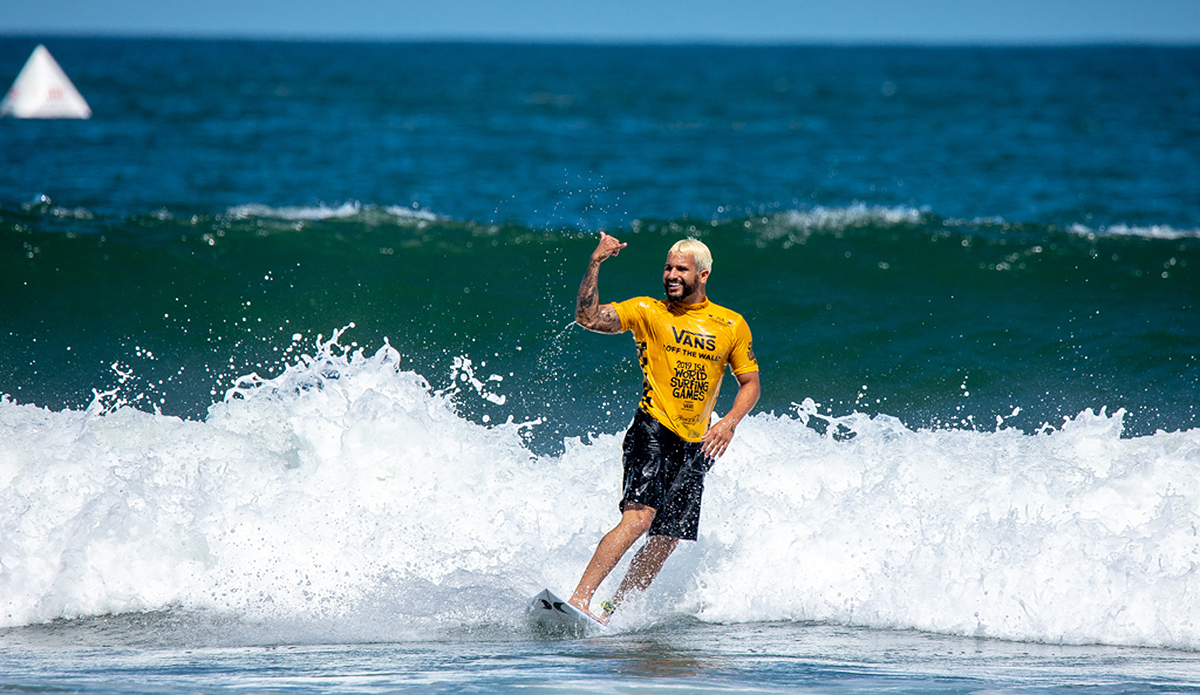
{"points": [[684, 343]]}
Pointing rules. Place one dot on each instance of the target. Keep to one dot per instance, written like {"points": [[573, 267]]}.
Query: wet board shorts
{"points": [[665, 472]]}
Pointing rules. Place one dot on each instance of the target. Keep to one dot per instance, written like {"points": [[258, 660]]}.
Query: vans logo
{"points": [[687, 338]]}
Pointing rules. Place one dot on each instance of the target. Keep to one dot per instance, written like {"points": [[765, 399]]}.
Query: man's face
{"points": [[682, 282]]}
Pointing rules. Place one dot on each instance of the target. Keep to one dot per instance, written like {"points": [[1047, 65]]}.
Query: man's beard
{"points": [[685, 290]]}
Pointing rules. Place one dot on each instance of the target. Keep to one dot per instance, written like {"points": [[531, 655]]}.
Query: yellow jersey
{"points": [[683, 350]]}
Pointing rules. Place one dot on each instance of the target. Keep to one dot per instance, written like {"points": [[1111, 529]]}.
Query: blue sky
{"points": [[793, 21]]}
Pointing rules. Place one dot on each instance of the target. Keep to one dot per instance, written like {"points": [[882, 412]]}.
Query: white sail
{"points": [[43, 90]]}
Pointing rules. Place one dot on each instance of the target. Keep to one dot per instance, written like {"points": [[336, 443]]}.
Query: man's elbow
{"points": [[592, 325]]}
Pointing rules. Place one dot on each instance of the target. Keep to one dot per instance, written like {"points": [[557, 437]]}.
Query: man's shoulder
{"points": [[644, 304]]}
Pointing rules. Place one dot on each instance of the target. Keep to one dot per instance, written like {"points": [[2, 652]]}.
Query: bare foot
{"points": [[587, 610]]}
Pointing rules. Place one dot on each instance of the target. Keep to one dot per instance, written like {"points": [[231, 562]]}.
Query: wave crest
{"points": [[346, 490]]}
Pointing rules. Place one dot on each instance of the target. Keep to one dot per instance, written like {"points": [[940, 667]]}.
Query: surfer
{"points": [[684, 343]]}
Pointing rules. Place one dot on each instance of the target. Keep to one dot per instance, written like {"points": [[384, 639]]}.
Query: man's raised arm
{"points": [[589, 313]]}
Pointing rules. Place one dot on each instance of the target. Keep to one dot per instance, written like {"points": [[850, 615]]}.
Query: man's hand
{"points": [[588, 311], [716, 439], [608, 246]]}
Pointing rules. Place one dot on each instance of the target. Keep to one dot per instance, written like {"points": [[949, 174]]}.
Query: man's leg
{"points": [[645, 566], [635, 520]]}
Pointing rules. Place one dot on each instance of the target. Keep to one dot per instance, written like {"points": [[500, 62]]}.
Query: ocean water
{"points": [[291, 396]]}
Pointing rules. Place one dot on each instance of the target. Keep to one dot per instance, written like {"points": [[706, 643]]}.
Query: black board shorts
{"points": [[665, 472]]}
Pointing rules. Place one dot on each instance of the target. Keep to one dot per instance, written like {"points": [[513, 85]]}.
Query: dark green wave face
{"points": [[880, 310]]}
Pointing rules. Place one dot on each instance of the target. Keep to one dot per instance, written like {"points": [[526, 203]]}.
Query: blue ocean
{"points": [[291, 398]]}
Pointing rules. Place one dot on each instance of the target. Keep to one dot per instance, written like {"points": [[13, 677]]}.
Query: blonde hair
{"points": [[697, 250]]}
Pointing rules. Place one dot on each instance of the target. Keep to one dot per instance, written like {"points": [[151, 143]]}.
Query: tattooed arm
{"points": [[589, 313]]}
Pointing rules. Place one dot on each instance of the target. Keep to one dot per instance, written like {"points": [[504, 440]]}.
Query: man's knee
{"points": [[637, 516]]}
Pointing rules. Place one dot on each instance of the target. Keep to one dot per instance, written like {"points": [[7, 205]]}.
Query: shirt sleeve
{"points": [[741, 358], [629, 312]]}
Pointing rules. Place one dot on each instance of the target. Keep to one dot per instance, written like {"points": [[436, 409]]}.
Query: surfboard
{"points": [[551, 616]]}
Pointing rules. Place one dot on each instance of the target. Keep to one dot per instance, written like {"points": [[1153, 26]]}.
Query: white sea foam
{"points": [[346, 489], [1074, 535], [798, 225], [795, 226], [1156, 231], [857, 215], [308, 213], [318, 212]]}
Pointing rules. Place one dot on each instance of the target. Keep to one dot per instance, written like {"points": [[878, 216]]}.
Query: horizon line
{"points": [[529, 40]]}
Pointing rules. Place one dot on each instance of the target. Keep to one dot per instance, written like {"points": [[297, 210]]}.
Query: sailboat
{"points": [[43, 90]]}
